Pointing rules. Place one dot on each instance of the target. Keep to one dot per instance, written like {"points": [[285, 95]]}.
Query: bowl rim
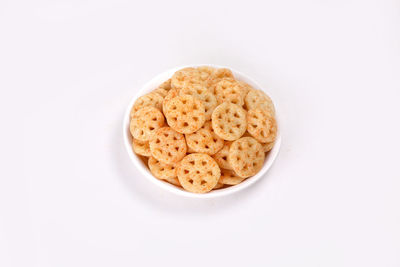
{"points": [[137, 161]]}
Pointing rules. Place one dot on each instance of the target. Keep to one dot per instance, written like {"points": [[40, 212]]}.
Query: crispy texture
{"points": [[145, 122], [161, 91], [246, 156], [173, 181], [229, 121], [204, 95], [185, 76], [246, 87], [171, 94], [198, 173], [161, 170], [216, 76], [205, 72], [166, 85], [229, 177], [268, 146], [218, 186], [141, 148], [168, 146], [261, 125], [185, 114], [221, 157], [204, 140], [228, 90], [259, 99], [148, 100]]}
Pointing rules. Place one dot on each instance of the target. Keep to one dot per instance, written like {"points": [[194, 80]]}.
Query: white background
{"points": [[69, 196]]}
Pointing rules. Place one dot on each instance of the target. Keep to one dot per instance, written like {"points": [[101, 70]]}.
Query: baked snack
{"points": [[246, 156], [198, 173], [229, 121], [168, 146], [145, 122], [185, 114], [203, 129]]}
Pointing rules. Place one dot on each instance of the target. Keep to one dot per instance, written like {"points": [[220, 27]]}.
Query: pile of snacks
{"points": [[203, 129]]}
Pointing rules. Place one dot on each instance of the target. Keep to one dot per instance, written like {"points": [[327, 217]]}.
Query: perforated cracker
{"points": [[229, 121], [229, 177], [185, 114], [166, 85], [259, 99], [246, 87], [246, 156], [228, 90], [168, 146], [198, 173], [204, 95], [161, 170], [141, 148], [204, 140], [171, 94], [145, 122], [216, 76], [261, 125], [221, 157], [205, 72], [148, 100], [161, 91], [268, 146], [185, 76]]}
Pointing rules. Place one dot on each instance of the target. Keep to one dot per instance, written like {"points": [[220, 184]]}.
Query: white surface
{"points": [[143, 168], [69, 196]]}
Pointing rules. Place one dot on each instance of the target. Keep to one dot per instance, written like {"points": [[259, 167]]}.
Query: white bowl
{"points": [[153, 84]]}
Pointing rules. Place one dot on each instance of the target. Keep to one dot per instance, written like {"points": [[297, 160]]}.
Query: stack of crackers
{"points": [[203, 130]]}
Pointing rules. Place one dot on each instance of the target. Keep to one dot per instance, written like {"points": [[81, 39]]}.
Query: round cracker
{"points": [[205, 72], [171, 94], [229, 177], [173, 181], [148, 100], [228, 90], [168, 146], [261, 125], [229, 121], [204, 140], [185, 76], [161, 91], [161, 170], [198, 173], [145, 122], [246, 156], [185, 114], [259, 99], [221, 157], [141, 148], [166, 85], [204, 95], [218, 186], [216, 76], [268, 146]]}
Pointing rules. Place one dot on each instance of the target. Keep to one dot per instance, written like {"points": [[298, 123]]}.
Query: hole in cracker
{"points": [[198, 172], [166, 135], [184, 101], [195, 118], [169, 154], [186, 171], [203, 182], [236, 115], [224, 158], [203, 163], [190, 181], [191, 162], [151, 128], [184, 112], [158, 141], [185, 124]]}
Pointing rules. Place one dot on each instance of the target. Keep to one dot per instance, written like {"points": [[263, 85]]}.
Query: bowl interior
{"points": [[140, 162]]}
